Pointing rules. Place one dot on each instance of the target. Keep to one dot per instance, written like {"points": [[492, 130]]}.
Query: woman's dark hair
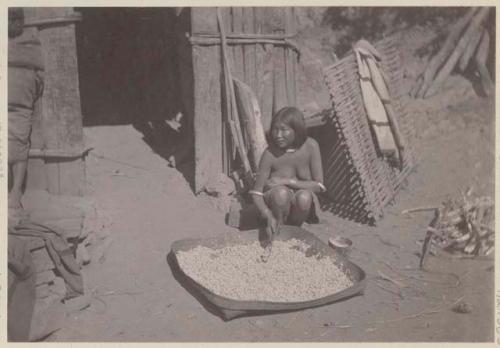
{"points": [[16, 21], [293, 118]]}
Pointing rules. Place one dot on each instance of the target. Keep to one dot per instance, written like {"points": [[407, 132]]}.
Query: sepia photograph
{"points": [[250, 174]]}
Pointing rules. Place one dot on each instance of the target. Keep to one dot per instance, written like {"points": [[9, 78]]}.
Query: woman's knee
{"points": [[303, 199], [281, 196]]}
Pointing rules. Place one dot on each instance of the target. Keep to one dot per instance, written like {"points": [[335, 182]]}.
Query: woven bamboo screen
{"points": [[360, 183]]}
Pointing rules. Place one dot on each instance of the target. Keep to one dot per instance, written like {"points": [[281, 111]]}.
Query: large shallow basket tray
{"points": [[230, 309]]}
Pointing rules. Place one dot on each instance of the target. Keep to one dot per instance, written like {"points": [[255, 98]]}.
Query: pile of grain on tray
{"points": [[238, 272]]}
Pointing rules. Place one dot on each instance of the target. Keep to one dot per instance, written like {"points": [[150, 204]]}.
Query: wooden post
{"points": [[60, 123], [207, 100]]}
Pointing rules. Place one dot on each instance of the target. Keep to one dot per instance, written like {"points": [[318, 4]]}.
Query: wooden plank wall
{"points": [[58, 122], [267, 68]]}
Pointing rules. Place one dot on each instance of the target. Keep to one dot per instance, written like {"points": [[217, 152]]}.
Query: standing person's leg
{"points": [[25, 86], [19, 129], [18, 175], [279, 200], [301, 207]]}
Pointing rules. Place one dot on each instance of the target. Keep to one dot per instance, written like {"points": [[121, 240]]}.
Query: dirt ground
{"points": [[148, 205]]}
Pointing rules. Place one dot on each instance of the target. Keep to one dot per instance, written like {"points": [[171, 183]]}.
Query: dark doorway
{"points": [[129, 74], [127, 65]]}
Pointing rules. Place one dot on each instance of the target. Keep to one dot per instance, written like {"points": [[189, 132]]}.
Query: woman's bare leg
{"points": [[280, 202], [300, 207]]}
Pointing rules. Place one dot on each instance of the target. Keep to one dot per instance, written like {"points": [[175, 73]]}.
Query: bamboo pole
{"points": [[209, 41], [457, 52], [234, 123], [246, 35], [56, 153], [437, 61], [470, 50], [480, 59]]}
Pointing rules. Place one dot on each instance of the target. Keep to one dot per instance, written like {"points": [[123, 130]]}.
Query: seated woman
{"points": [[290, 173]]}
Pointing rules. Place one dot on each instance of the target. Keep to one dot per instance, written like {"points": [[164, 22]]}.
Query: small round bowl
{"points": [[341, 244]]}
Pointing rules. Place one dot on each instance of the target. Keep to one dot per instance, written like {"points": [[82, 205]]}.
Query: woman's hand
{"points": [[272, 224]]}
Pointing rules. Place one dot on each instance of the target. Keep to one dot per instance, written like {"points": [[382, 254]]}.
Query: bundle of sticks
{"points": [[467, 43], [462, 226]]}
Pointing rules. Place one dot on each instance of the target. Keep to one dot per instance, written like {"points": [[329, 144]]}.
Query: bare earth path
{"points": [[136, 298]]}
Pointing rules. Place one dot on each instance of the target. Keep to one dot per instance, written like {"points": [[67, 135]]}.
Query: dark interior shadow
{"points": [[129, 75]]}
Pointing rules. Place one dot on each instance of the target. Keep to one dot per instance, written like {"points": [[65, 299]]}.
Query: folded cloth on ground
{"points": [[59, 251], [21, 289]]}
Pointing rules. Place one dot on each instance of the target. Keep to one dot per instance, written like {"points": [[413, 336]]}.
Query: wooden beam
{"points": [[207, 101], [60, 125]]}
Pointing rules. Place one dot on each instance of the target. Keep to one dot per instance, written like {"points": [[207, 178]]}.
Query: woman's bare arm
{"points": [[316, 163], [262, 176]]}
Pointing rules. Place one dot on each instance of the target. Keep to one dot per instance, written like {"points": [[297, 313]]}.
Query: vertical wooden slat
{"points": [[238, 67], [272, 91], [259, 57], [207, 100], [228, 24], [228, 147], [264, 69], [267, 87], [249, 50], [274, 23], [279, 87], [289, 58], [295, 57]]}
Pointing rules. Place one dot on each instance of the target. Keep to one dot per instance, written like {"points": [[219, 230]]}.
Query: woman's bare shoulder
{"points": [[311, 143], [267, 154]]}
